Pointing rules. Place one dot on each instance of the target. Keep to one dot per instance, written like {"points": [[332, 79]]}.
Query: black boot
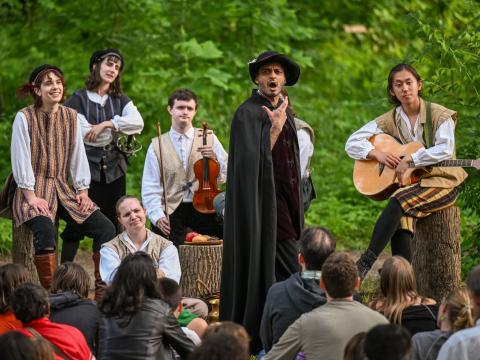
{"points": [[365, 263]]}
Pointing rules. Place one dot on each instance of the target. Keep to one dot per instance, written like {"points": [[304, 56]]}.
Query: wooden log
{"points": [[436, 253], [201, 270], [23, 251]]}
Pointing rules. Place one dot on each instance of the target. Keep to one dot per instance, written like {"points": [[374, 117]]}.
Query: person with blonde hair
{"points": [[399, 300], [454, 315]]}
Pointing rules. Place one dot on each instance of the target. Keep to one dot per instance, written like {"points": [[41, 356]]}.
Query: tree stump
{"points": [[436, 253], [22, 249], [201, 270]]}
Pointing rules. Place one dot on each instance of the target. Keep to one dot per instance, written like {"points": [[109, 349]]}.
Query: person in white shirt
{"points": [[105, 113], [46, 150], [412, 119], [181, 147], [465, 344], [136, 237]]}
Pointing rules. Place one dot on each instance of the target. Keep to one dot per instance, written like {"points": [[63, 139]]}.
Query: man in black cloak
{"points": [[263, 213]]}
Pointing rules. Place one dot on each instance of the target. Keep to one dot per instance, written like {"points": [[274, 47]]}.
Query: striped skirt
{"points": [[418, 202]]}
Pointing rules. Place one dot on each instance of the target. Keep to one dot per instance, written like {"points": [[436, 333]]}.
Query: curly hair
{"points": [[71, 277], [134, 281], [339, 274], [30, 302], [11, 275]]}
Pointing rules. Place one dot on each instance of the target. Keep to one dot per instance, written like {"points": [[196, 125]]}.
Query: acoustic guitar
{"points": [[377, 181]]}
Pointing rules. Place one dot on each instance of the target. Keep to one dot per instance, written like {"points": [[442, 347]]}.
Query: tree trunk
{"points": [[22, 249], [436, 253], [201, 268]]}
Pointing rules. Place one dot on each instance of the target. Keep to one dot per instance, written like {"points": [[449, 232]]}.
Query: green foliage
{"points": [[206, 46]]}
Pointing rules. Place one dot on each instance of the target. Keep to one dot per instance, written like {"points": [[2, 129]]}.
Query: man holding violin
{"points": [[264, 212], [180, 148]]}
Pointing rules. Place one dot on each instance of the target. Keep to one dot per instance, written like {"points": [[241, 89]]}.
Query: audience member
{"points": [[387, 342], [137, 323], [172, 294], [16, 346], [287, 300], [465, 344], [11, 275], [136, 237], [31, 307], [324, 331], [399, 300], [69, 303], [234, 329], [354, 348], [454, 315], [220, 346]]}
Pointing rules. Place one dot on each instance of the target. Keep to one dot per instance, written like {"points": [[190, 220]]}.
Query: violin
{"points": [[206, 171]]}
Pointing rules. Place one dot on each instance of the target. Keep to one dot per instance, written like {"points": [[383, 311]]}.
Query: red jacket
{"points": [[67, 338]]}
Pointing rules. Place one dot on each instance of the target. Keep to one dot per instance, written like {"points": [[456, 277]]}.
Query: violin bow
{"points": [[162, 173]]}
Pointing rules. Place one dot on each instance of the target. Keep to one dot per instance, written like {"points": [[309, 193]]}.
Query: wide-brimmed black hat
{"points": [[39, 69], [291, 68], [99, 55]]}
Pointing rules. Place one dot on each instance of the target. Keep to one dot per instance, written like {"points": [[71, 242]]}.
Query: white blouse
{"points": [[130, 123], [21, 157], [358, 146]]}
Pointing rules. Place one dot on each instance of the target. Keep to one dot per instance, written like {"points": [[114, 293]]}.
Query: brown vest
{"points": [[154, 248], [442, 177], [52, 139], [175, 176]]}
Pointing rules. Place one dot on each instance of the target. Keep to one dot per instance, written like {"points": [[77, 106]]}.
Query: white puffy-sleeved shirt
{"points": [[152, 189], [129, 123], [358, 146], [168, 262], [21, 157]]}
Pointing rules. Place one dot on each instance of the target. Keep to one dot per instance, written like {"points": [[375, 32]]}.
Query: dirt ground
{"points": [[84, 258]]}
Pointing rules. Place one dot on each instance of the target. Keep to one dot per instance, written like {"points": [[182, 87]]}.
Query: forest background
{"points": [[206, 45]]}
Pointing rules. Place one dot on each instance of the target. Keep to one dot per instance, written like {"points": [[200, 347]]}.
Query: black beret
{"points": [[99, 55], [41, 68]]}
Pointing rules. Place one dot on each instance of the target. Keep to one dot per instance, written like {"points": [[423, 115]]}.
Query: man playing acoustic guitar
{"points": [[412, 119]]}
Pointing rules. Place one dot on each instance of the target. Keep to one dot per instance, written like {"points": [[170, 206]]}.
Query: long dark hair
{"points": [[11, 276], [134, 281], [94, 80], [397, 68]]}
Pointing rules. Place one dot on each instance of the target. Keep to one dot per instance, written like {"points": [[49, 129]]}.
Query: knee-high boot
{"points": [[45, 264], [99, 284]]}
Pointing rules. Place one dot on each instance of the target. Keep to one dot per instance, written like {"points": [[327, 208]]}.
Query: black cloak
{"points": [[250, 223]]}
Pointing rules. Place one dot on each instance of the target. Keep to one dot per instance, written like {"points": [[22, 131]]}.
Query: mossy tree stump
{"points": [[436, 255]]}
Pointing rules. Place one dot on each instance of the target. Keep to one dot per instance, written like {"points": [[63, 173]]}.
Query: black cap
{"points": [[99, 55], [292, 70], [40, 69]]}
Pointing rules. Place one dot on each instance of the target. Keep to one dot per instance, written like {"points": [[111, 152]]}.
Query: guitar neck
{"points": [[450, 163]]}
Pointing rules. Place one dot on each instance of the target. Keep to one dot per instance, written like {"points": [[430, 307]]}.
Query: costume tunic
{"points": [[45, 149], [250, 224]]}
